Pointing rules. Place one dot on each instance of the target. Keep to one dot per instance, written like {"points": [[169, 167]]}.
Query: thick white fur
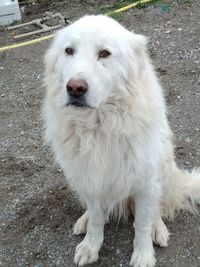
{"points": [[120, 148]]}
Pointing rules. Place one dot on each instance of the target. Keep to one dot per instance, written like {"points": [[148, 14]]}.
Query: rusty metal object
{"points": [[41, 24]]}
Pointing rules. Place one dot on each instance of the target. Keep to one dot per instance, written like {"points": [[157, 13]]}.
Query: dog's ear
{"points": [[50, 60], [138, 55], [51, 81], [138, 42]]}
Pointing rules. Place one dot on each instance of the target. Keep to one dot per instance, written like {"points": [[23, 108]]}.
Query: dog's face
{"points": [[90, 58]]}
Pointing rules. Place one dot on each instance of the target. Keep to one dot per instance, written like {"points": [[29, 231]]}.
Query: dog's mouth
{"points": [[79, 103]]}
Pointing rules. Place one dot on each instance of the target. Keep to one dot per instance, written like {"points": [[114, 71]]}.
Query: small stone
{"points": [[188, 140], [118, 251], [62, 187], [187, 163]]}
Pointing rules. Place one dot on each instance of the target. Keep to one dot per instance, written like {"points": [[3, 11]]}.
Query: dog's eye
{"points": [[104, 54], [69, 51]]}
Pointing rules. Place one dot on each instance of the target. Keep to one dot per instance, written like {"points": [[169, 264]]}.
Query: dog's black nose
{"points": [[77, 88]]}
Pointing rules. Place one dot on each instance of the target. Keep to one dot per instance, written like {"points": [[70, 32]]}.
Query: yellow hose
{"points": [[2, 49], [125, 8], [5, 48]]}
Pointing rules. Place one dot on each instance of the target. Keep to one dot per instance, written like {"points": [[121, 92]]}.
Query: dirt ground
{"points": [[37, 210]]}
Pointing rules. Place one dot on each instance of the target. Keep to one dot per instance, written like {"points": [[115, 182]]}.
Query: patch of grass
{"points": [[165, 7], [179, 2], [108, 8], [118, 4], [15, 22], [116, 16], [143, 5], [2, 57]]}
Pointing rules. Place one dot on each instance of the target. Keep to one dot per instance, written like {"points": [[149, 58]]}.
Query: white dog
{"points": [[105, 118]]}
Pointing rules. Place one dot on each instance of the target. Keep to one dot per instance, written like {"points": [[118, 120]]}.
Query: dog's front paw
{"points": [[143, 259], [80, 226], [86, 253], [160, 234]]}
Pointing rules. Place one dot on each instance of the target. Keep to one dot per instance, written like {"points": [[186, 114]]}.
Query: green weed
{"points": [[2, 57]]}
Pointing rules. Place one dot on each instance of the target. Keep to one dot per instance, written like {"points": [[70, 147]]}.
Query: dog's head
{"points": [[91, 61]]}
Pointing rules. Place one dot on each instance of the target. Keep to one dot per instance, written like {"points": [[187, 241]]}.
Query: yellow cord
{"points": [[5, 48]]}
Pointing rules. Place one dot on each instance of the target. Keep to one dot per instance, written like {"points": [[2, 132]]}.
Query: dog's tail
{"points": [[181, 190]]}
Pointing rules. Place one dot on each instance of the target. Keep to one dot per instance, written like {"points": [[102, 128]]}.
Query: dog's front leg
{"points": [[88, 250], [145, 206]]}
